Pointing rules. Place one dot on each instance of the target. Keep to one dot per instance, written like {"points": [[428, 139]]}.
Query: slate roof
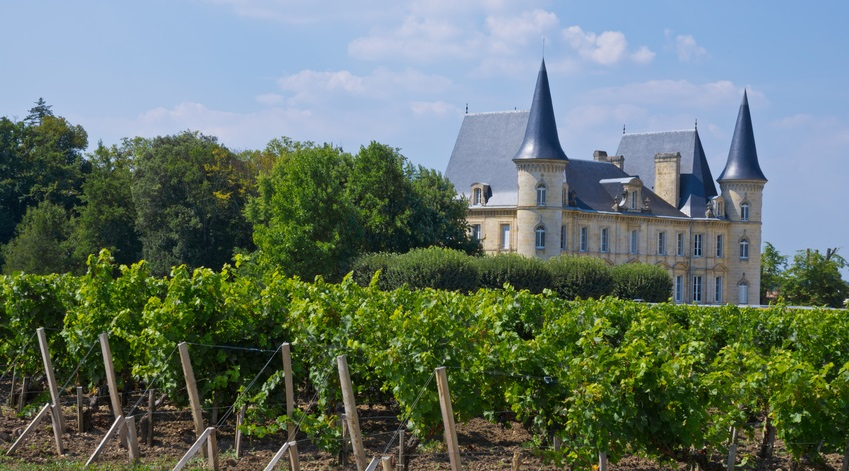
{"points": [[742, 161], [483, 153], [541, 140], [696, 181], [484, 150]]}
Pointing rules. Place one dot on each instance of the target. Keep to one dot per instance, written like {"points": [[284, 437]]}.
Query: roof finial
{"points": [[543, 46], [697, 124], [623, 129], [467, 108]]}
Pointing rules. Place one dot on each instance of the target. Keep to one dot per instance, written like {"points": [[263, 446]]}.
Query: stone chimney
{"points": [[667, 178], [617, 160]]}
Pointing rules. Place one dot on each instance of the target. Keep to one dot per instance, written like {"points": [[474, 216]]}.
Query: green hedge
{"points": [[569, 276], [580, 277], [641, 281], [519, 272]]}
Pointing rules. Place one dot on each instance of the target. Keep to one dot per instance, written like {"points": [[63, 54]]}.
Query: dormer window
{"points": [[744, 212], [541, 194], [480, 194], [633, 197]]}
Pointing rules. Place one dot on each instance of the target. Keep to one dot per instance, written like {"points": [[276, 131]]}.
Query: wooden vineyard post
{"points": [[117, 409], [351, 413], [401, 465], [240, 420], [132, 439], [732, 450], [845, 465], [448, 418], [80, 417], [38, 418], [294, 460], [151, 405], [208, 437], [51, 382], [22, 398], [602, 461], [191, 387], [517, 461]]}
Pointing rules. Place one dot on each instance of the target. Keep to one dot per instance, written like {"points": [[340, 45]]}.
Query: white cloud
{"points": [[270, 99], [677, 93], [420, 39], [607, 48], [688, 50], [438, 108], [309, 86]]}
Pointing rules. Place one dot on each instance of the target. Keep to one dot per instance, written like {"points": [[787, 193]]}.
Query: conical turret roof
{"points": [[541, 140], [742, 161]]}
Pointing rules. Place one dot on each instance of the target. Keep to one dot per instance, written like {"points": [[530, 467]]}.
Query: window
{"points": [[585, 239], [540, 237], [661, 243], [633, 196], [679, 247], [697, 289], [697, 245], [743, 293], [476, 231], [679, 288], [720, 209], [563, 233], [717, 290], [744, 249], [634, 245], [719, 246], [604, 242], [541, 194], [744, 212], [477, 196], [505, 237]]}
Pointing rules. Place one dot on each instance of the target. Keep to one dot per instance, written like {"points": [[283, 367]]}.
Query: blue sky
{"points": [[402, 72]]}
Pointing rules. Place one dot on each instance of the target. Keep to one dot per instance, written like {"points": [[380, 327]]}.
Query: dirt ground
{"points": [[483, 445]]}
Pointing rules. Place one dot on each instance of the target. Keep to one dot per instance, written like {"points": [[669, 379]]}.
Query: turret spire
{"points": [[541, 139], [742, 161]]}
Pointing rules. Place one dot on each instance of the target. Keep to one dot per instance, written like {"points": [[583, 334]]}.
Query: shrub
{"points": [[365, 266], [580, 277], [642, 281], [433, 267], [520, 272]]}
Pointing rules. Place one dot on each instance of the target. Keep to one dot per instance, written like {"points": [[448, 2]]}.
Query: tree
{"points": [[773, 265], [381, 189], [303, 224], [107, 217], [439, 217], [189, 201], [814, 279], [41, 244]]}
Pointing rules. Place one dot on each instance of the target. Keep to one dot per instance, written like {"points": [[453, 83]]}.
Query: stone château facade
{"points": [[654, 201]]}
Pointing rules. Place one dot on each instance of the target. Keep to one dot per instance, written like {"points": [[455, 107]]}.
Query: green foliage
{"points": [[41, 245], [434, 267], [365, 267], [580, 277], [814, 279], [189, 200], [302, 223], [519, 272], [107, 216], [773, 265], [642, 281]]}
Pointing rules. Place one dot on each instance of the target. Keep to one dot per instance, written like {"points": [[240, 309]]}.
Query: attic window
{"points": [[480, 194]]}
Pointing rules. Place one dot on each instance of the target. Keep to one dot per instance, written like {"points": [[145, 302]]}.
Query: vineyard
{"points": [[668, 383]]}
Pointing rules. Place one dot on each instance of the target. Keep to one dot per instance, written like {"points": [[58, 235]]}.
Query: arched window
{"points": [[744, 212], [541, 194], [744, 249], [540, 236]]}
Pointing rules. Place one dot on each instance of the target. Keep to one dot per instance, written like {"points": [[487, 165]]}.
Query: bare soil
{"points": [[483, 445]]}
